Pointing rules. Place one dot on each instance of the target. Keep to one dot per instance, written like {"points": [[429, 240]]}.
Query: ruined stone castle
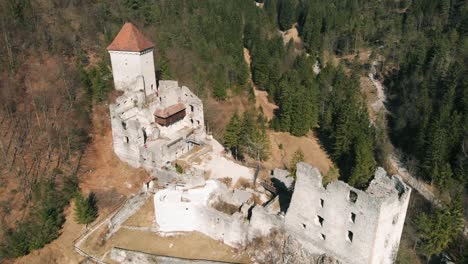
{"points": [[153, 122], [156, 122]]}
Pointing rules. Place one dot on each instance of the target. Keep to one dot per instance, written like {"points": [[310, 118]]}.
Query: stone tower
{"points": [[353, 225], [132, 61]]}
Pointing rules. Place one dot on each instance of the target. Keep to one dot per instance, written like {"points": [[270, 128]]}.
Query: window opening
{"points": [[352, 196], [350, 236], [319, 220], [352, 217], [145, 137]]}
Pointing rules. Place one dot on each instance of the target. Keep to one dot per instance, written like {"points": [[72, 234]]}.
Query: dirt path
{"points": [[261, 97], [377, 105]]}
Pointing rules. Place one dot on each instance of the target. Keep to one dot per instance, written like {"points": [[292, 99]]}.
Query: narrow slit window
{"points": [[352, 196], [350, 236], [304, 226], [319, 220], [352, 217], [321, 203], [126, 140], [323, 236]]}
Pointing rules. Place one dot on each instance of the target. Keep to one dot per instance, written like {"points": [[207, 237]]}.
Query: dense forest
{"points": [[424, 44]]}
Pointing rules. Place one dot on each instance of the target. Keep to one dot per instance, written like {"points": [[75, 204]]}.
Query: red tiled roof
{"points": [[130, 39], [165, 113]]}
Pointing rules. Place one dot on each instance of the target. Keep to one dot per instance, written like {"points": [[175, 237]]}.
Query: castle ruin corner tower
{"points": [[131, 56]]}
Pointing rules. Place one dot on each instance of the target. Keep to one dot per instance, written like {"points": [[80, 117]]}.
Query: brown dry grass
{"points": [[243, 183], [185, 245], [143, 217], [219, 113], [261, 101], [227, 181], [224, 207], [102, 172], [261, 97], [370, 94], [314, 154]]}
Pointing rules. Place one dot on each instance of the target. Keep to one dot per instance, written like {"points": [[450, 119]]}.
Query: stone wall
{"points": [[130, 207], [339, 220], [190, 210], [139, 141], [125, 256], [127, 67]]}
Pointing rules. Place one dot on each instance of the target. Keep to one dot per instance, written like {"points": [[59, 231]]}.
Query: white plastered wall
{"points": [[128, 67]]}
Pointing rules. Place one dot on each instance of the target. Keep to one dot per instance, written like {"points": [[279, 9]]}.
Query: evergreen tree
{"points": [[85, 208], [286, 14], [438, 229], [364, 164], [253, 138], [231, 136], [297, 157], [219, 90]]}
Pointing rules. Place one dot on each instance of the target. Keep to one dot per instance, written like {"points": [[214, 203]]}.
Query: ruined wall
{"points": [[126, 138], [391, 220], [138, 140], [346, 222], [132, 205], [189, 210]]}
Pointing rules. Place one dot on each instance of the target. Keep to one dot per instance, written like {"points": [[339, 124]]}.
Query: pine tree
{"points": [[438, 229], [85, 208], [219, 90], [286, 14], [231, 136], [297, 157], [364, 164]]}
